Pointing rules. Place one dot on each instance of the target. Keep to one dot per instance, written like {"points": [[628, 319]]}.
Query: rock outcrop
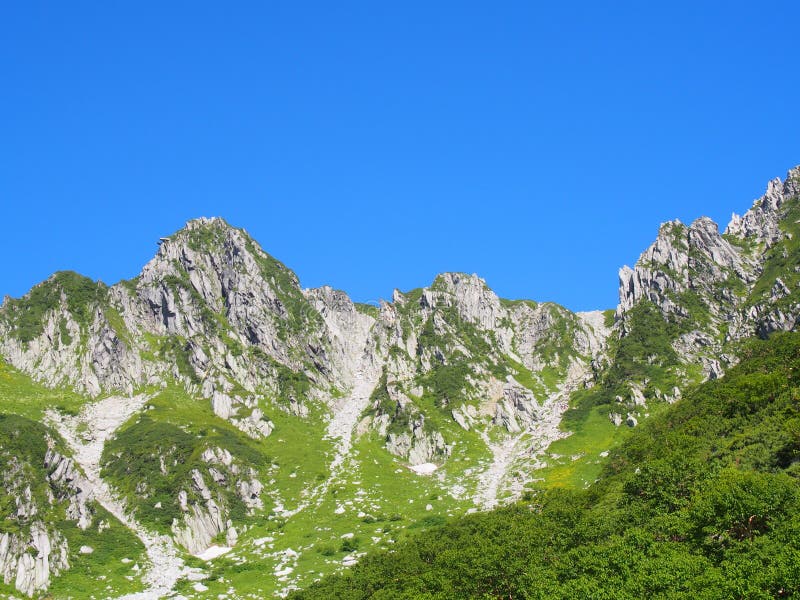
{"points": [[762, 222], [204, 503], [70, 485], [29, 560], [419, 445]]}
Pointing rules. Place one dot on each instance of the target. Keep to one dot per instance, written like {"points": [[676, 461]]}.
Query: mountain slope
{"points": [[53, 531], [241, 402], [700, 502]]}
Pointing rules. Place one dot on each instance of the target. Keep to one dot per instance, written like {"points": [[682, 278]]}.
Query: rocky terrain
{"points": [[221, 416]]}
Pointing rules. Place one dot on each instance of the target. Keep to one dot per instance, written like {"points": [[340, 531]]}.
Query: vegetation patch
{"points": [[26, 315]]}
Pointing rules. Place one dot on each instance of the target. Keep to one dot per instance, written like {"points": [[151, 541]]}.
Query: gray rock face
{"points": [[353, 347], [518, 408], [471, 297], [662, 268], [419, 446], [210, 268], [71, 486], [466, 416], [211, 293], [222, 405], [200, 526], [28, 561], [206, 269], [201, 521], [682, 259], [205, 513]]}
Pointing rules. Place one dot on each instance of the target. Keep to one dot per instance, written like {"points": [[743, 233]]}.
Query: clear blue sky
{"points": [[372, 145]]}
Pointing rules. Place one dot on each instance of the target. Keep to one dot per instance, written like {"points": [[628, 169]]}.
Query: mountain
{"points": [[210, 427]]}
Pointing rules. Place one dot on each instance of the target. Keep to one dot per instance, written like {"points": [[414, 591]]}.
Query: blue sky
{"points": [[372, 145]]}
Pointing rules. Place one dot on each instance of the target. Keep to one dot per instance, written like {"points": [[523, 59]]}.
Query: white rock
{"points": [[424, 468], [213, 552]]}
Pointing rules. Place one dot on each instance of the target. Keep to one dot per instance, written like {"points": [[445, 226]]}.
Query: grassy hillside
{"points": [[701, 501]]}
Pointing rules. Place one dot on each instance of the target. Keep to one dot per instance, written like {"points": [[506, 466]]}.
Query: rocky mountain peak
{"points": [[207, 222], [682, 259], [210, 265], [213, 243], [662, 268], [714, 252], [761, 222], [469, 294]]}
